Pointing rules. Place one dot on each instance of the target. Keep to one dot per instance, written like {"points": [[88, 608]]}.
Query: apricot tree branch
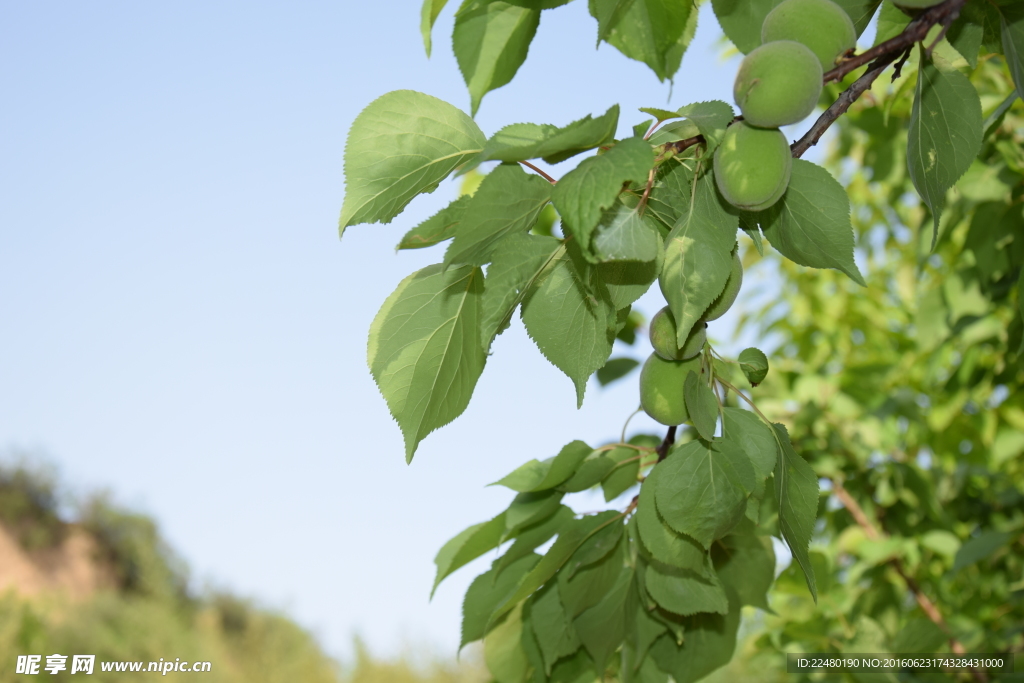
{"points": [[670, 438], [879, 57]]}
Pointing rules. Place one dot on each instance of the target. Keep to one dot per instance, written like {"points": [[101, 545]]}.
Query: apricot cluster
{"points": [[778, 84]]}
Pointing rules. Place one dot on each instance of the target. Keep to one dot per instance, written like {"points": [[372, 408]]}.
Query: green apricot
{"points": [[728, 296], [821, 25], [663, 337], [752, 166], [778, 84], [661, 388]]}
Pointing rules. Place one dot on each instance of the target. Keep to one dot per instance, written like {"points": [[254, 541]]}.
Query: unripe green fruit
{"points": [[752, 166], [778, 84], [728, 296], [661, 388], [821, 25], [663, 337]]}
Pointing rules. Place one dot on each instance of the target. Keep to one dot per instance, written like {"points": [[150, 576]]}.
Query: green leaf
{"points": [[428, 15], [753, 438], [627, 281], [624, 234], [655, 32], [685, 593], [424, 350], [642, 629], [698, 257], [702, 405], [503, 649], [532, 536], [1020, 305], [522, 141], [945, 134], [599, 544], [1011, 22], [538, 476], [438, 228], [490, 40], [467, 546], [487, 592], [590, 473], [701, 492], [860, 11], [602, 628], [980, 547], [404, 143], [623, 477], [665, 544], [608, 14], [742, 19], [508, 202], [575, 669], [796, 490], [709, 643], [746, 563], [810, 225], [754, 365], [672, 132], [529, 508], [586, 191], [569, 540], [569, 317], [552, 626], [711, 119], [891, 22], [585, 588], [518, 262], [919, 635], [670, 197], [615, 369]]}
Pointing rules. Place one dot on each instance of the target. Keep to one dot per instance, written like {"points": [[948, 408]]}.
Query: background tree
{"points": [[884, 447]]}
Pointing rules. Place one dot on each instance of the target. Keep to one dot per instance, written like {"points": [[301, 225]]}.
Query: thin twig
{"points": [[542, 174], [678, 146], [670, 438], [927, 606]]}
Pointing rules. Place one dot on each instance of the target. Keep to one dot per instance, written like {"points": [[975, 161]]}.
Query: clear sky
{"points": [[182, 325]]}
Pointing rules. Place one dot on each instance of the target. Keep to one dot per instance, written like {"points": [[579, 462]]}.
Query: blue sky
{"points": [[183, 326]]}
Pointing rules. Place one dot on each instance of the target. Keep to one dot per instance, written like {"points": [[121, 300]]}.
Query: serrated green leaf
{"points": [[503, 649], [796, 491], [810, 225], [682, 592], [589, 474], [891, 22], [424, 350], [602, 627], [508, 202], [742, 19], [552, 626], [522, 141], [436, 229], [697, 257], [624, 234], [672, 132], [518, 262], [569, 540], [746, 563], [592, 187], [569, 317], [467, 546], [404, 143], [860, 11], [701, 493], [538, 476], [660, 114], [616, 369], [532, 536], [670, 196], [979, 548], [627, 281], [754, 365], [945, 134], [491, 39], [753, 438], [575, 669], [530, 508], [487, 592], [711, 119], [428, 15], [608, 14], [710, 640], [1011, 23], [702, 405], [753, 232], [655, 32], [966, 36], [585, 588], [642, 629], [622, 477], [666, 545]]}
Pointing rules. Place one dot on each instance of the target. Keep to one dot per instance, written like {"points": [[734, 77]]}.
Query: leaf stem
{"points": [[541, 173]]}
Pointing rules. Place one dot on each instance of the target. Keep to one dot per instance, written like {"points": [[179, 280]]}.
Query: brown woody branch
{"points": [[666, 444], [879, 57], [927, 606]]}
